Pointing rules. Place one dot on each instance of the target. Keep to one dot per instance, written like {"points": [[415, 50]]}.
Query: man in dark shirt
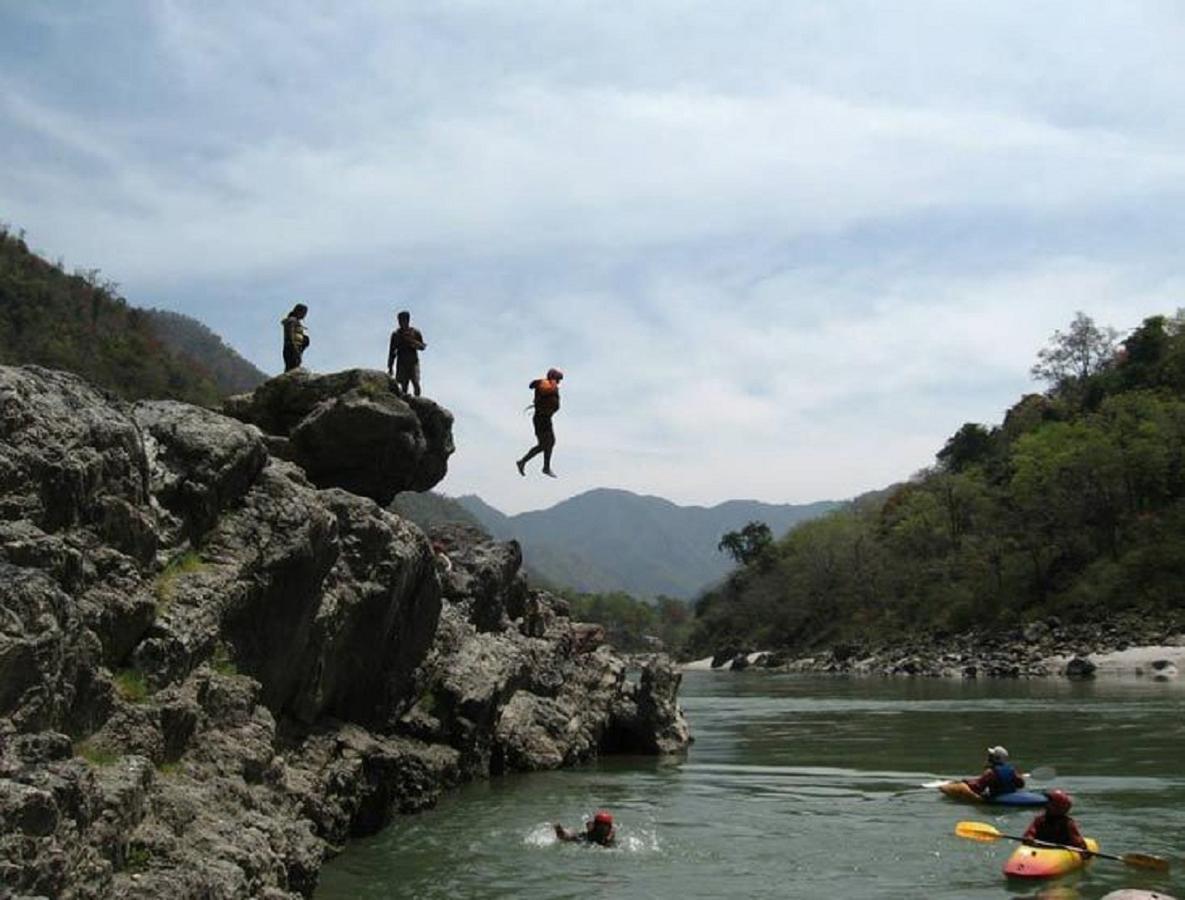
{"points": [[404, 354]]}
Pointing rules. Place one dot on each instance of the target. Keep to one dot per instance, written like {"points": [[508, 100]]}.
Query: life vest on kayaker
{"points": [[1055, 829], [1006, 780]]}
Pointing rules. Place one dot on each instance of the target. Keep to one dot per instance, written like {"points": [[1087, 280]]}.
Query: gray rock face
{"points": [[352, 430], [214, 672]]}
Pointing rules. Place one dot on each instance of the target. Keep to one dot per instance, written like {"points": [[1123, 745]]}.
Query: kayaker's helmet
{"points": [[997, 755], [556, 375], [603, 817], [1058, 802]]}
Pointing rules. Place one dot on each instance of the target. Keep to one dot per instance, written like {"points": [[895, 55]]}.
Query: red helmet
{"points": [[603, 817], [555, 375], [1058, 802]]}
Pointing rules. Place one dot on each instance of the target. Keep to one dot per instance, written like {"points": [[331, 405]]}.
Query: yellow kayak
{"points": [[1045, 862]]}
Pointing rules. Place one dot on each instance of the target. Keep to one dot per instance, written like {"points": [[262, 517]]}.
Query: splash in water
{"points": [[628, 840]]}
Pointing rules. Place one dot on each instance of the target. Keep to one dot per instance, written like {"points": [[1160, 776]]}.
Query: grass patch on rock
{"points": [[221, 662], [166, 582], [95, 753], [427, 702], [138, 859], [374, 390], [130, 685]]}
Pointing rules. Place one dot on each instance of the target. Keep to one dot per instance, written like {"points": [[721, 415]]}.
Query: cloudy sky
{"points": [[781, 249]]}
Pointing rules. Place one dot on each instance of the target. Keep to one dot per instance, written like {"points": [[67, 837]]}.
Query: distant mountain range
{"points": [[613, 540]]}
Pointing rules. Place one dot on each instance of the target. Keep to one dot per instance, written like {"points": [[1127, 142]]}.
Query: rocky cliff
{"points": [[220, 657]]}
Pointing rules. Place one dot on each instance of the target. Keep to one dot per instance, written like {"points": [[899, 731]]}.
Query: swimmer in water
{"points": [[598, 830]]}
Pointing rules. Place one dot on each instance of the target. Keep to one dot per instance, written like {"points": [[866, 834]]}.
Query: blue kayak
{"points": [[957, 790], [1020, 798]]}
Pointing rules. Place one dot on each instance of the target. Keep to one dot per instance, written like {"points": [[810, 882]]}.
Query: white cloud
{"points": [[781, 250]]}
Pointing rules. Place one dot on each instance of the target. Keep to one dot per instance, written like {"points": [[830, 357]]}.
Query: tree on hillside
{"points": [[747, 544], [968, 446], [1073, 356]]}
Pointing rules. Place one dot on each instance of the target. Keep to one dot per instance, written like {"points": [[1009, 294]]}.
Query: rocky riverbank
{"points": [[1141, 646], [217, 665]]}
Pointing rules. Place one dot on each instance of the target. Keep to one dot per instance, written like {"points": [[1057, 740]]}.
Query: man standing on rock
{"points": [[404, 354], [547, 404], [296, 336]]}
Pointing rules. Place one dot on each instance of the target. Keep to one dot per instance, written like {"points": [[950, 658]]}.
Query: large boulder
{"points": [[646, 718], [199, 462], [483, 576], [352, 430], [514, 685]]}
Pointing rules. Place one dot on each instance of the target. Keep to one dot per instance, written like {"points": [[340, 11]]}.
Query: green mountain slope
{"points": [[191, 340], [1074, 506], [429, 508], [612, 540], [78, 323]]}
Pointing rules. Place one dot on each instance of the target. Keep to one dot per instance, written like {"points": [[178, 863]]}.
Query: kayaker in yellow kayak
{"points": [[1054, 826], [598, 830], [999, 778]]}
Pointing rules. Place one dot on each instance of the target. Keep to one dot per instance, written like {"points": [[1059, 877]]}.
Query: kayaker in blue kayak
{"points": [[598, 830], [1054, 826], [999, 778]]}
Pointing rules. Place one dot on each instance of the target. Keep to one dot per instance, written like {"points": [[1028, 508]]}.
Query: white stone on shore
{"points": [[1161, 662]]}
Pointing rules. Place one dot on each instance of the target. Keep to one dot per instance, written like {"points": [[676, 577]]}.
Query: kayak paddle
{"points": [[981, 831]]}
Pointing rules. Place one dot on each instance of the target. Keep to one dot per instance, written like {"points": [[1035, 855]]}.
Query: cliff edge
{"points": [[221, 658]]}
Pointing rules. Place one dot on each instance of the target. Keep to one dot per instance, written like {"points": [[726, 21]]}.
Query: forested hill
{"points": [[78, 323], [193, 341], [1073, 506], [612, 540]]}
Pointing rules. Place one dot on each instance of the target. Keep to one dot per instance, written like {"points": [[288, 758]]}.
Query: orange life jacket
{"points": [[547, 396]]}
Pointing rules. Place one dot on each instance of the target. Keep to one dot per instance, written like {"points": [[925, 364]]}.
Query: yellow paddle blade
{"points": [[977, 831], [1145, 861]]}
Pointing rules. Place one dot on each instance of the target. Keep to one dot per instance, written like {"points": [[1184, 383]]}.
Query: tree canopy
{"points": [[747, 544], [1074, 505]]}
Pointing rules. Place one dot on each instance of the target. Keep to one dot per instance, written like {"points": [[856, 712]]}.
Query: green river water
{"points": [[800, 786]]}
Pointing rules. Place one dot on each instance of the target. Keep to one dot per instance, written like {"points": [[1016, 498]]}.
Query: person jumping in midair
{"points": [[547, 404]]}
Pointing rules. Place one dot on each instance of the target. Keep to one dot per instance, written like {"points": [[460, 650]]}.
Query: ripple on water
{"points": [[805, 788]]}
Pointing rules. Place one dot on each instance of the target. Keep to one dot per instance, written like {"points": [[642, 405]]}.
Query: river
{"points": [[805, 786]]}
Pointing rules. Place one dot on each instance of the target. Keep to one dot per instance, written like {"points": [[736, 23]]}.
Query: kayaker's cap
{"points": [[1058, 802], [997, 754], [603, 817]]}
